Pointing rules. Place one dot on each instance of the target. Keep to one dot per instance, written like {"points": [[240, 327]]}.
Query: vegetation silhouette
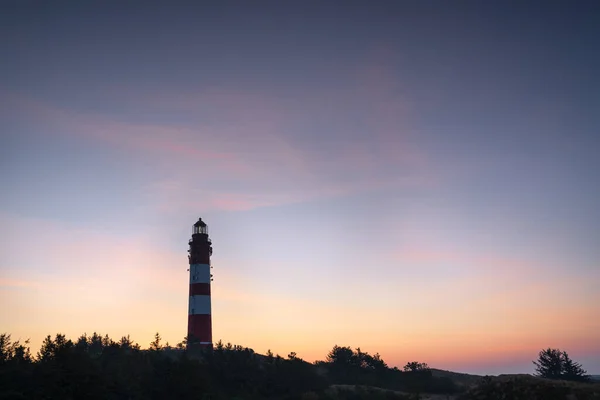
{"points": [[556, 364], [97, 367]]}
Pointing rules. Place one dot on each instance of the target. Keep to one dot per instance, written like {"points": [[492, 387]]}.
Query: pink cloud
{"points": [[483, 264], [249, 145], [105, 259], [17, 283], [513, 287]]}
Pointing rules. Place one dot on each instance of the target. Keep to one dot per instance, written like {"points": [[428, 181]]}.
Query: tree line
{"points": [[98, 367]]}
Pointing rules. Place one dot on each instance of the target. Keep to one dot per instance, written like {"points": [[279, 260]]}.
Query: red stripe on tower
{"points": [[199, 313]]}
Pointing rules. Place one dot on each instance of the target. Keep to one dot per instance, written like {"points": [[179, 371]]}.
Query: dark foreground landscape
{"points": [[97, 367]]}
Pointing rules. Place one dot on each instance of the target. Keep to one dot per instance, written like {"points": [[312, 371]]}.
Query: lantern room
{"points": [[200, 227]]}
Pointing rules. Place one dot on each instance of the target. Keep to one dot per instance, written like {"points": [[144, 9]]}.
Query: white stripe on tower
{"points": [[199, 273]]}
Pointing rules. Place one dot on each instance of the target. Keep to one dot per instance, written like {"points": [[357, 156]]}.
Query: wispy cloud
{"points": [[241, 150], [17, 283], [482, 264]]}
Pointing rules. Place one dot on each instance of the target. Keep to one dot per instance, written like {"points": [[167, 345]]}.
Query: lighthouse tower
{"points": [[199, 317]]}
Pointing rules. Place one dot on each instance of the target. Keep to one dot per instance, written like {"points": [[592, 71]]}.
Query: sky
{"points": [[418, 179]]}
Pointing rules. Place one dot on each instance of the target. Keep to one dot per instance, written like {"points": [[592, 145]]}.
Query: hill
{"points": [[461, 379], [528, 387]]}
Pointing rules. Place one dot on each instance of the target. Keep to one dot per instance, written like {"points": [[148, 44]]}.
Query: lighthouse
{"points": [[199, 312]]}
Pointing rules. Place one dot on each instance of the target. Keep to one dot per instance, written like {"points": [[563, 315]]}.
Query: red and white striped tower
{"points": [[199, 316]]}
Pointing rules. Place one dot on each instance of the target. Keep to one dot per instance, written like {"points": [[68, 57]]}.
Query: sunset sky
{"points": [[418, 179]]}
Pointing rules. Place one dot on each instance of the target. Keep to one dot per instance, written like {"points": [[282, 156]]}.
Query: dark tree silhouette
{"points": [[13, 351], [97, 367], [573, 371], [155, 344], [415, 366], [556, 364], [340, 355]]}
